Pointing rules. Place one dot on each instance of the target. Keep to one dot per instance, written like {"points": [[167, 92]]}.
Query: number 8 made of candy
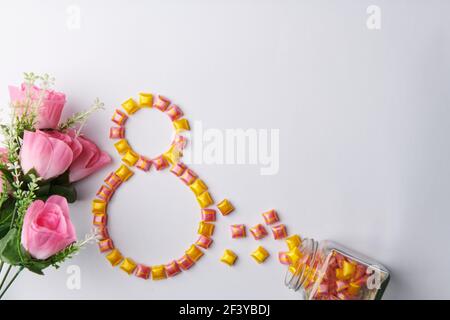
{"points": [[171, 158]]}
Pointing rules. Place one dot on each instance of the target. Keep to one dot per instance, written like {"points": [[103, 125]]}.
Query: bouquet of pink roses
{"points": [[41, 160]]}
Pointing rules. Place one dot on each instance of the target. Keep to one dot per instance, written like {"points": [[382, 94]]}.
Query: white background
{"points": [[364, 125]]}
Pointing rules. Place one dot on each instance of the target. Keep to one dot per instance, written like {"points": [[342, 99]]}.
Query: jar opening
{"points": [[298, 273]]}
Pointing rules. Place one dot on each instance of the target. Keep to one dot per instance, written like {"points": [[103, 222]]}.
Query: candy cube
{"points": [[294, 255], [292, 269], [225, 207], [104, 193], [142, 271], [145, 100], [179, 141], [258, 231], [124, 173], [205, 200], [98, 206], [194, 253], [228, 257], [293, 241], [173, 155], [348, 270], [119, 117], [105, 245], [130, 106], [323, 288], [117, 133], [181, 125], [204, 242], [353, 289], [128, 265], [260, 254], [270, 217], [174, 112], [208, 215], [185, 262], [283, 258], [279, 231], [238, 231], [102, 232], [206, 229], [188, 177], [143, 163], [160, 163], [341, 285], [113, 181], [172, 269], [99, 219], [178, 169], [161, 103], [198, 187], [158, 272], [122, 146], [130, 158], [114, 257]]}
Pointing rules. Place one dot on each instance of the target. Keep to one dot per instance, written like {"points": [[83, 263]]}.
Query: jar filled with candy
{"points": [[329, 271]]}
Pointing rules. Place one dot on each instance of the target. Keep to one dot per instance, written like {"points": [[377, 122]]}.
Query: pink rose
{"points": [[47, 228], [49, 156], [70, 138], [50, 110], [90, 160]]}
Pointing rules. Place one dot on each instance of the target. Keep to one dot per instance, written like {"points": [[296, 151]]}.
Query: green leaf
{"points": [[34, 265], [62, 179], [69, 192], [6, 212], [9, 250], [6, 173], [43, 191]]}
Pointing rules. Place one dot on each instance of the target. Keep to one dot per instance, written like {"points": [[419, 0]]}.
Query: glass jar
{"points": [[329, 271]]}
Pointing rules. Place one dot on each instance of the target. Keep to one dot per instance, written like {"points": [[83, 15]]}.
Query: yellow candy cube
{"points": [[198, 187], [293, 241], [124, 173], [128, 265], [294, 255], [114, 257], [292, 269], [130, 158], [225, 207], [229, 257], [340, 274], [145, 100], [205, 229], [173, 155], [348, 269], [158, 272], [130, 106], [98, 206], [194, 253], [353, 289], [205, 200], [122, 146], [181, 125], [260, 254]]}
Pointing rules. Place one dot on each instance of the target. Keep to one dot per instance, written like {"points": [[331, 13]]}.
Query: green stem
{"points": [[5, 276], [1, 266], [11, 282]]}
